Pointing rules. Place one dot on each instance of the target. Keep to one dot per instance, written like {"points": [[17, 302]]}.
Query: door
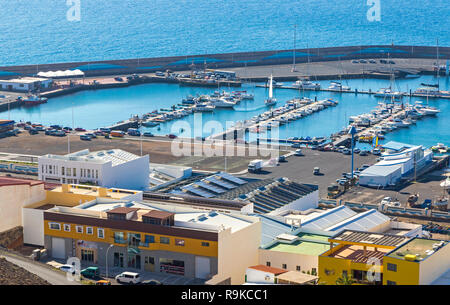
{"points": [[149, 264], [202, 267], [58, 248]]}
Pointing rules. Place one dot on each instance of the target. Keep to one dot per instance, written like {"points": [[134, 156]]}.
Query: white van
{"points": [[128, 277]]}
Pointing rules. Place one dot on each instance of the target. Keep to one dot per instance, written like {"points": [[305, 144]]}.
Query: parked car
{"points": [[172, 136], [67, 128], [92, 135], [67, 268], [128, 278], [356, 150], [298, 153], [355, 61], [372, 61], [57, 127], [80, 129], [281, 159], [49, 132], [102, 283], [363, 61], [364, 153], [296, 145], [90, 272], [376, 152], [119, 79], [316, 171], [33, 131], [148, 134], [85, 137], [346, 151], [151, 282], [58, 133]]}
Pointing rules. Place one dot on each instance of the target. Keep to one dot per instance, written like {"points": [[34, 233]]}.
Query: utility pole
{"points": [[352, 131]]}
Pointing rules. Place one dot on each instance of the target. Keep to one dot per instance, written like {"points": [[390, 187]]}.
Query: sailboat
{"points": [[271, 100]]}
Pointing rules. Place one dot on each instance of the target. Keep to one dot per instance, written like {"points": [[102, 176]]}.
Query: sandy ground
{"points": [[159, 149]]}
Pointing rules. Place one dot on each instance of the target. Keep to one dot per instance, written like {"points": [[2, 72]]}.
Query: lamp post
{"points": [[110, 246], [352, 132]]}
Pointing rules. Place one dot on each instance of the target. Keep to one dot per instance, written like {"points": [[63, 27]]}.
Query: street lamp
{"points": [[352, 132], [110, 246]]}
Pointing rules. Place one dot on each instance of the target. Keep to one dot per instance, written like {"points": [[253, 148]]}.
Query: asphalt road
{"points": [[52, 276]]}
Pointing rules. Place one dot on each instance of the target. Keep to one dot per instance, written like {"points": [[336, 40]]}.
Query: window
{"points": [[89, 173], [391, 283], [205, 244], [50, 169], [79, 229], [164, 240], [392, 267], [101, 233], [87, 255], [268, 264], [284, 266], [74, 172], [118, 238], [149, 239], [89, 230], [69, 172], [179, 242], [66, 227], [96, 174], [62, 171], [297, 268], [54, 226]]}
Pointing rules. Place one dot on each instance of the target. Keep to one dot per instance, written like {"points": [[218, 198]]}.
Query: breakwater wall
{"points": [[227, 60]]}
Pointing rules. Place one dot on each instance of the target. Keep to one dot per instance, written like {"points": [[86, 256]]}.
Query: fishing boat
{"points": [[270, 101], [32, 100]]}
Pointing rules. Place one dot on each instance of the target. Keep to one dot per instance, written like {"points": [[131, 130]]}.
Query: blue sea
{"points": [[38, 31], [94, 109]]}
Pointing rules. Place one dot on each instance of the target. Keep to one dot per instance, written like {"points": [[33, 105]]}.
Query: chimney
{"points": [[102, 192], [65, 188]]}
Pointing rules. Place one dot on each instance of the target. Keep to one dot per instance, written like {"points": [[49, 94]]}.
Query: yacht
{"points": [[270, 101], [203, 108], [306, 84], [426, 110], [244, 95], [338, 87], [222, 103], [387, 92]]}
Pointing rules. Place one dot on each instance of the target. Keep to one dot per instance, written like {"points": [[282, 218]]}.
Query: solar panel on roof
{"points": [[197, 191], [210, 187], [231, 178], [221, 183]]}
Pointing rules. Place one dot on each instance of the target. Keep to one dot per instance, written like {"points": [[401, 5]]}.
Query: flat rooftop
{"points": [[115, 156], [420, 247], [357, 254], [308, 244]]}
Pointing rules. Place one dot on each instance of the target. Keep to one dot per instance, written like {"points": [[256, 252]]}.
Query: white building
{"points": [[398, 161], [25, 84], [261, 274], [110, 168]]}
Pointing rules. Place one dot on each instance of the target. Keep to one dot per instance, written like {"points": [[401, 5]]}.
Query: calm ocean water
{"points": [[93, 109], [37, 31]]}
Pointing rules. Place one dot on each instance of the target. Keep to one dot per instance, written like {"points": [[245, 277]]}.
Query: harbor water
{"points": [[38, 32], [100, 108]]}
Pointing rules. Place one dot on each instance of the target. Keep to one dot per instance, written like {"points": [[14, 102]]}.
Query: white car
{"points": [[386, 200], [67, 268], [128, 278], [298, 152]]}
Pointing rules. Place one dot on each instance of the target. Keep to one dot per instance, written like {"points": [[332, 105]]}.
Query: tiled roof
{"points": [[6, 181], [272, 270]]}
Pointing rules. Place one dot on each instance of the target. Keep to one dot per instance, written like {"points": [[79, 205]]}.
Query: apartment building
{"points": [[109, 168], [154, 237]]}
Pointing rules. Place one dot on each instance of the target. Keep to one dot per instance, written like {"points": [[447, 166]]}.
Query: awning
{"points": [[66, 73]]}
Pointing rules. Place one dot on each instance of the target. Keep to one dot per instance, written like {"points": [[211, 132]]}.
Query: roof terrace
{"points": [[419, 247]]}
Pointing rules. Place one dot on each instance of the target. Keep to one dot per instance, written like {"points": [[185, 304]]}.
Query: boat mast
{"points": [[437, 61], [295, 47]]}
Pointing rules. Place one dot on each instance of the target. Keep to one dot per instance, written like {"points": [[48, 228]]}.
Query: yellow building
{"points": [[64, 195], [358, 256], [156, 237], [417, 262]]}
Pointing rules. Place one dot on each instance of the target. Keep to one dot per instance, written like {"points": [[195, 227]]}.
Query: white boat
{"points": [[270, 101], [244, 95], [338, 87], [387, 92], [203, 108], [222, 103], [425, 110], [306, 84]]}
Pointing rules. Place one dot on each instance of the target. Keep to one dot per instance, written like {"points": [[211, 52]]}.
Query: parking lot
{"points": [[331, 164]]}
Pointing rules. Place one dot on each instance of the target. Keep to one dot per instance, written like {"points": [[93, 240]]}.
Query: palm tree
{"points": [[345, 280]]}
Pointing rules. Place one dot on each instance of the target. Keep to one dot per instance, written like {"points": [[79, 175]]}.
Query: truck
{"points": [[255, 166]]}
